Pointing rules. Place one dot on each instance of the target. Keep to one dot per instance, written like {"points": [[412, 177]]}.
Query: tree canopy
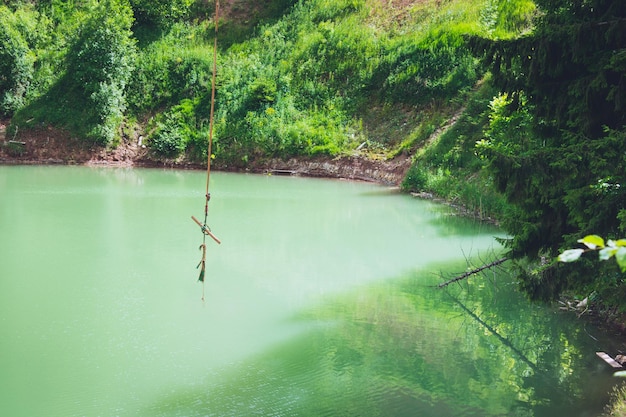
{"points": [[556, 139]]}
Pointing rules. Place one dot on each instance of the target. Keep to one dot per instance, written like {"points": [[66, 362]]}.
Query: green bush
{"points": [[166, 73], [16, 64], [332, 9], [100, 62], [432, 70], [263, 91], [180, 130], [335, 58], [456, 147], [505, 19], [162, 13], [167, 141], [416, 178], [82, 70]]}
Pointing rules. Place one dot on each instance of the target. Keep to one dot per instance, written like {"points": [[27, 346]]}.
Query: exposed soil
{"points": [[48, 145], [240, 10], [354, 167]]}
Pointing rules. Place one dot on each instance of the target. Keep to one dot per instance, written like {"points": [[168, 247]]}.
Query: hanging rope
{"points": [[206, 231]]}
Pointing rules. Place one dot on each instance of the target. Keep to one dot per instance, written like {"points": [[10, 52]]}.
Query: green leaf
{"points": [[620, 242], [607, 253], [592, 241], [620, 257], [571, 255], [621, 374]]}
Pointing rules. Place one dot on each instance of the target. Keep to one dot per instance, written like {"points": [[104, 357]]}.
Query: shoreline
{"points": [[51, 146]]}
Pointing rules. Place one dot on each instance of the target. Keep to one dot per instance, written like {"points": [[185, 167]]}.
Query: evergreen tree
{"points": [[557, 137]]}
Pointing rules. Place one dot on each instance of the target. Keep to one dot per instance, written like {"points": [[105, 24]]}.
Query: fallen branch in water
{"points": [[472, 272]]}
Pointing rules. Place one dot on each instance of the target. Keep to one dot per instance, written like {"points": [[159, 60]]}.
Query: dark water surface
{"points": [[319, 302]]}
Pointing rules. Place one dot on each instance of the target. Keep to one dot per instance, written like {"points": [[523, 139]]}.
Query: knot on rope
{"points": [[206, 230]]}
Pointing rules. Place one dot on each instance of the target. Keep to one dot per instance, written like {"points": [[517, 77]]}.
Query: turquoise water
{"points": [[319, 301]]}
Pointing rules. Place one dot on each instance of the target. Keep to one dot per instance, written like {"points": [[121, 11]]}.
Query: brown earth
{"points": [[48, 145]]}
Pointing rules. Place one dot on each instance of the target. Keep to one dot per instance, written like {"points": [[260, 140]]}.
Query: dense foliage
{"points": [[16, 62], [99, 64], [79, 77], [160, 13], [556, 136], [306, 82]]}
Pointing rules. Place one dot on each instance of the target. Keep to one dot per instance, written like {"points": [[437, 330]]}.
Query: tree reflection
{"points": [[404, 348]]}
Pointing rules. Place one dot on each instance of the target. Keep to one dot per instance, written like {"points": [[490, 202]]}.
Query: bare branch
{"points": [[472, 272]]}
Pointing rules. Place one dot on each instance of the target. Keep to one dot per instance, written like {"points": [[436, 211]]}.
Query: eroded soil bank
{"points": [[48, 145]]}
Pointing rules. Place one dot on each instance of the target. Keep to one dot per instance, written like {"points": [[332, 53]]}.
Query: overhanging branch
{"points": [[472, 272]]}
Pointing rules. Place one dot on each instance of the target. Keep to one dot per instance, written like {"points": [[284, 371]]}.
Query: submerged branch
{"points": [[472, 272]]}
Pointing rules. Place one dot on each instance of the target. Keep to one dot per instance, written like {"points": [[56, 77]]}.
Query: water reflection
{"points": [[404, 348], [321, 300]]}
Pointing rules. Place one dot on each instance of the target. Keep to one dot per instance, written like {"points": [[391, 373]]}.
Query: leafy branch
{"points": [[611, 249]]}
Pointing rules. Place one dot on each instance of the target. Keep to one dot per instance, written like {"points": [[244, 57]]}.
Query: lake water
{"points": [[320, 301]]}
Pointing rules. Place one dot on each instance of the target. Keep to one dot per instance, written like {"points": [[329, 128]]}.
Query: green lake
{"points": [[320, 301]]}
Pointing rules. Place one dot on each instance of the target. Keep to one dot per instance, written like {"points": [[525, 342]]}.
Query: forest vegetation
{"points": [[514, 109]]}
